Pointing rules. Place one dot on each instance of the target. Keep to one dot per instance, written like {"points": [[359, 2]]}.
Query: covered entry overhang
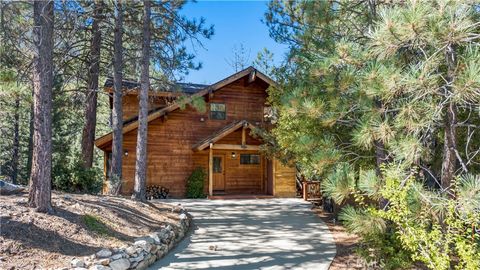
{"points": [[235, 165]]}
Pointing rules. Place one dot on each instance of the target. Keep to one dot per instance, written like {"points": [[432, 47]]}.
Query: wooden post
{"points": [[305, 192], [210, 170], [244, 136]]}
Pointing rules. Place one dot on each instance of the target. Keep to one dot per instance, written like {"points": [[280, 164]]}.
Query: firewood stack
{"points": [[157, 192]]}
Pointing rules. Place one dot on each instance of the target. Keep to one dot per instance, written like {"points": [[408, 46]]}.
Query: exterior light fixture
{"points": [[202, 119], [126, 153], [234, 155]]}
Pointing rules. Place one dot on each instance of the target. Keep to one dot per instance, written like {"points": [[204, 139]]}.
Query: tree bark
{"points": [[40, 183], [449, 163], [117, 114], [88, 135], [142, 136], [16, 141], [30, 136]]}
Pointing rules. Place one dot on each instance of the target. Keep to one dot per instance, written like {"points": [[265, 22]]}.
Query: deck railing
{"points": [[311, 191]]}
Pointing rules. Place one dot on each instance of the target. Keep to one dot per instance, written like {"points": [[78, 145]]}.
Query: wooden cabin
{"points": [[220, 139]]}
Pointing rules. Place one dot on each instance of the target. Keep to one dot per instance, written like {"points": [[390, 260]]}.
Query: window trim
{"points": [[210, 110]]}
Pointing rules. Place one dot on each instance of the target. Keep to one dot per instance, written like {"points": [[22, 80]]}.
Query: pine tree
{"points": [[88, 135], [40, 182], [142, 135], [388, 102], [117, 112]]}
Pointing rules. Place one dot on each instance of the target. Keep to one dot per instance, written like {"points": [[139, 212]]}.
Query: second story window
{"points": [[218, 111]]}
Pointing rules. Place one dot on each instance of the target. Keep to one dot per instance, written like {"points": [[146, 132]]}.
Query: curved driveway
{"points": [[252, 234]]}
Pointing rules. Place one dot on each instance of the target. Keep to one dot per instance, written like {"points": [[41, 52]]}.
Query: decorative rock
{"points": [[104, 253], [160, 254], [122, 264], [134, 265], [137, 259], [144, 245], [77, 263], [99, 267], [131, 250], [117, 256], [147, 239], [155, 237], [104, 261]]}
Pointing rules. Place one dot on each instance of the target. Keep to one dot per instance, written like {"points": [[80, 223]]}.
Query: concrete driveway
{"points": [[252, 234]]}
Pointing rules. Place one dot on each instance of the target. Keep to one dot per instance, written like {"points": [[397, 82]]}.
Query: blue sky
{"points": [[235, 23]]}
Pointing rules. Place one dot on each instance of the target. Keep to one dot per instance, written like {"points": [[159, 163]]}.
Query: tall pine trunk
{"points": [[16, 140], [88, 135], [40, 183], [117, 113], [449, 163], [142, 136], [30, 135]]}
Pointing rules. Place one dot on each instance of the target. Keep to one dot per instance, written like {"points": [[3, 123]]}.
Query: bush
{"points": [[75, 178], [195, 184]]}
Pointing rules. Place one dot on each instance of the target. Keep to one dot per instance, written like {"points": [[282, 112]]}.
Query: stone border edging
{"points": [[142, 253]]}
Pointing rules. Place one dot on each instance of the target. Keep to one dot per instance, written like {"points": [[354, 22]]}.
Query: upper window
{"points": [[249, 159], [218, 111]]}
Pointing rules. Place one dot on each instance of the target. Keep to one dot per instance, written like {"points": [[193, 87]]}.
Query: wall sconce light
{"points": [[202, 119], [234, 155], [126, 153]]}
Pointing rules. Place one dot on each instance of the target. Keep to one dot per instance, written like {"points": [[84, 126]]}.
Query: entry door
{"points": [[218, 172]]}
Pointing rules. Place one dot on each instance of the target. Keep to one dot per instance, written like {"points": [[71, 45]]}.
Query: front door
{"points": [[218, 173]]}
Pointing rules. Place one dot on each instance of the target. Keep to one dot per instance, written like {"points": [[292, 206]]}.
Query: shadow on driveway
{"points": [[252, 234]]}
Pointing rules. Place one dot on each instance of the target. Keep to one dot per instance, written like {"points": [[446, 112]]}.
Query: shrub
{"points": [[73, 177], [195, 184]]}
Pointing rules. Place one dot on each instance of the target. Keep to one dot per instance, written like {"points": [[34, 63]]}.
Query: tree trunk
{"points": [[16, 141], [117, 114], [88, 135], [141, 162], [30, 136], [449, 163], [380, 156], [40, 183]]}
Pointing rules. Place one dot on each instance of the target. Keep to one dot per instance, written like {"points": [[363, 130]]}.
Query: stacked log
{"points": [[157, 192]]}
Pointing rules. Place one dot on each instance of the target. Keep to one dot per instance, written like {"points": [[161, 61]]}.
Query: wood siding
{"points": [[170, 140], [284, 180], [130, 105]]}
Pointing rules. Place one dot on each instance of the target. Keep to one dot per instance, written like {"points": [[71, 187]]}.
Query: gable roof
{"points": [[226, 130], [179, 87], [251, 71]]}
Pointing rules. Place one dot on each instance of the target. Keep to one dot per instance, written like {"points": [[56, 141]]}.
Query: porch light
{"points": [[126, 153], [234, 155], [202, 119]]}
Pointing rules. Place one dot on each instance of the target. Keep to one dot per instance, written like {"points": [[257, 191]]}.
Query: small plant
{"points": [[195, 184], [94, 224]]}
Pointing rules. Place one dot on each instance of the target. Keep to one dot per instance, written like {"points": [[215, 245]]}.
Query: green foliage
{"points": [[363, 102], [95, 225], [435, 241], [339, 184], [76, 178], [385, 251], [195, 184]]}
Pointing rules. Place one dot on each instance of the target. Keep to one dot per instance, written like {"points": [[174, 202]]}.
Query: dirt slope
{"points": [[81, 225]]}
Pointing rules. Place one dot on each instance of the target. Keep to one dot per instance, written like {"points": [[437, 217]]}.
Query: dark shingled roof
{"points": [[188, 88]]}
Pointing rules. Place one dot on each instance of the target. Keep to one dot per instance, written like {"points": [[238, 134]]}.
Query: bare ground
{"points": [[345, 243], [31, 240]]}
